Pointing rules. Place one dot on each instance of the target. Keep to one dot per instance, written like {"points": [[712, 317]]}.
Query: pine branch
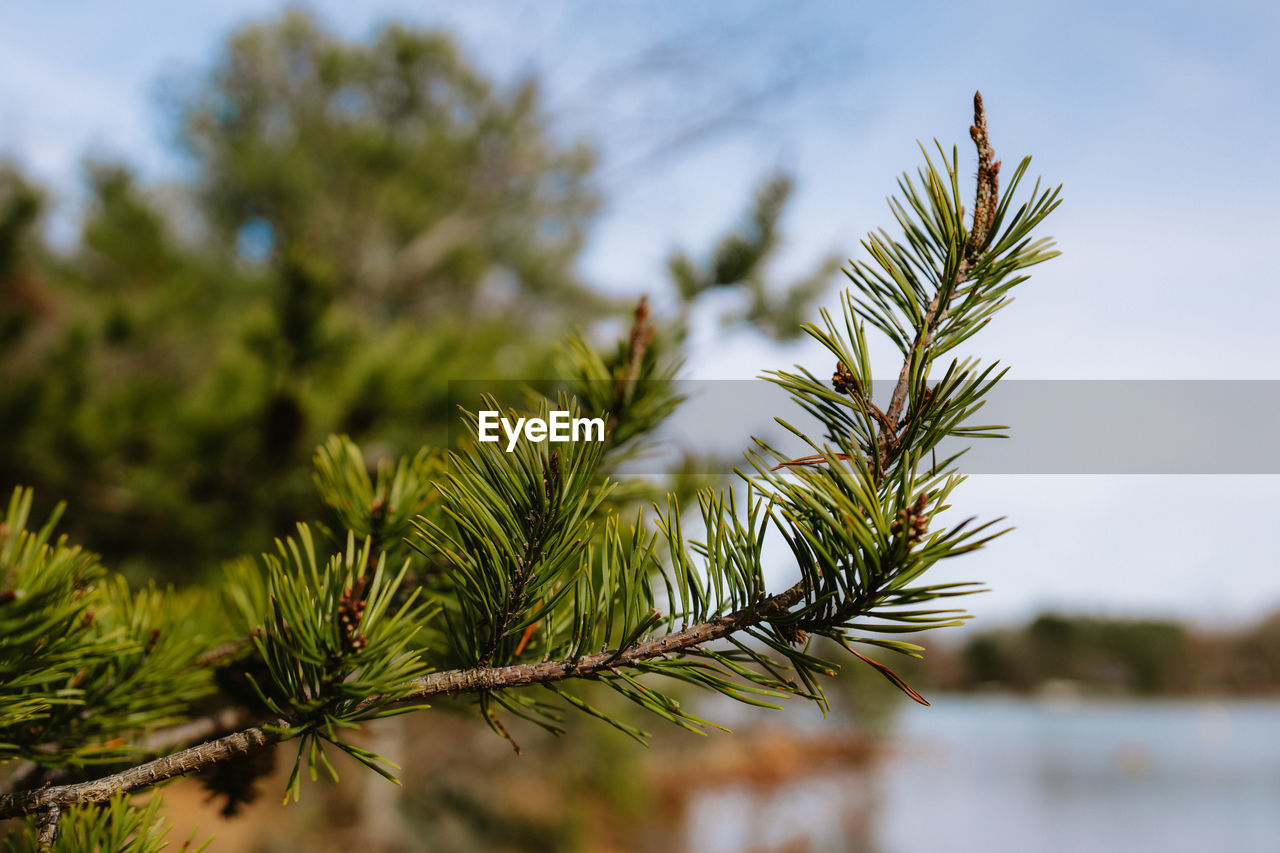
{"points": [[498, 678], [453, 682], [197, 758], [822, 602], [197, 730], [225, 721], [985, 204], [146, 775], [190, 760]]}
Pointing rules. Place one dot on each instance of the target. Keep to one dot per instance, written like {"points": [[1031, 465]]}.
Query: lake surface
{"points": [[1002, 774], [1007, 775]]}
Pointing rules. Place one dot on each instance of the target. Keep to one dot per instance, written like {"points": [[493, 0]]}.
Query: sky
{"points": [[1159, 120]]}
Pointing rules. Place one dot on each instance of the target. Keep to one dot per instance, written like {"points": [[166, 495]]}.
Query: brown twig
{"points": [[987, 196], [222, 653], [498, 678], [190, 760], [48, 828], [986, 201], [638, 340], [197, 730], [196, 758], [31, 775], [811, 459]]}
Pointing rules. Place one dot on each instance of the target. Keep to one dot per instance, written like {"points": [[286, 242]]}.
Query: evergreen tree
{"points": [[362, 221], [510, 579]]}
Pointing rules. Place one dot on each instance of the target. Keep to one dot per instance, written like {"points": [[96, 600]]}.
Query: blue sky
{"points": [[1160, 120]]}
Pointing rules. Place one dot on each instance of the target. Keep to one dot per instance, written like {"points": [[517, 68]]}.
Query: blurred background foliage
{"points": [[360, 223], [1113, 655]]}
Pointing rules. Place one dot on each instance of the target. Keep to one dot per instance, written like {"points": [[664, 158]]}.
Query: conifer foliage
{"points": [[512, 577]]}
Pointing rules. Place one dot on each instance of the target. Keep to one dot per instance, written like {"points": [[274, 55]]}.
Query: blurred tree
{"points": [[1137, 656], [408, 181], [363, 222], [20, 299], [363, 210], [740, 259]]}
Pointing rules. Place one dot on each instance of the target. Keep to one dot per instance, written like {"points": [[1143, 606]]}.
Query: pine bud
{"points": [[845, 382], [912, 523], [350, 612]]}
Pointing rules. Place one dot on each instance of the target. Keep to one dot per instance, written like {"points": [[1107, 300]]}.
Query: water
{"points": [[1000, 774], [1006, 775]]}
